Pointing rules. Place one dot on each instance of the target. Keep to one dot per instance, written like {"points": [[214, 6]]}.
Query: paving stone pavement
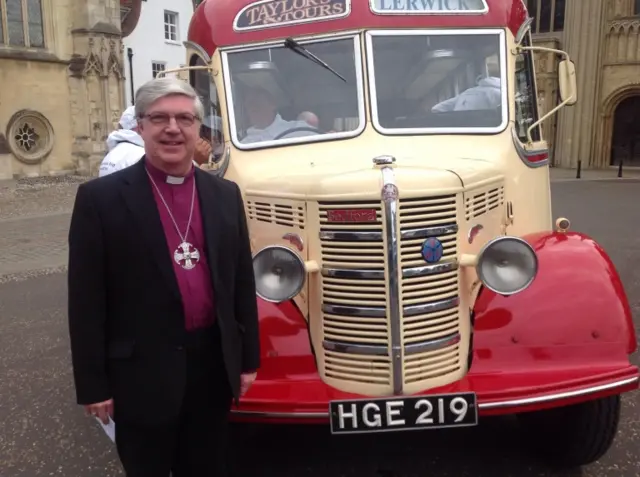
{"points": [[33, 243]]}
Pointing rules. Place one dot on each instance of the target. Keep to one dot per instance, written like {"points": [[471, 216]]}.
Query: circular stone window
{"points": [[30, 136]]}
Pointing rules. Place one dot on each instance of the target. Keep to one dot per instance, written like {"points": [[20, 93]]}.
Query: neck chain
{"points": [[185, 255]]}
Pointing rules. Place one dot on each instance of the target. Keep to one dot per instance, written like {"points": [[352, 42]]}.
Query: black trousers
{"points": [[196, 445]]}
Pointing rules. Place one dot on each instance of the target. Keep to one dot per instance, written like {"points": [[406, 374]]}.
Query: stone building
{"points": [[602, 37], [63, 86], [61, 71]]}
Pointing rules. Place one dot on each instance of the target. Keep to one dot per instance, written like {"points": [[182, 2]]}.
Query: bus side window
{"points": [[210, 147], [526, 104]]}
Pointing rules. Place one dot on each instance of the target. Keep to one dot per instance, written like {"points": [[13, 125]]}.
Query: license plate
{"points": [[403, 413]]}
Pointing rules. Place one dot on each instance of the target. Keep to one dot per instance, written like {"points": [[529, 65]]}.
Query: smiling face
{"points": [[170, 129]]}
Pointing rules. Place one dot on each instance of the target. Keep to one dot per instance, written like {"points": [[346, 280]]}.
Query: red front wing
{"points": [[565, 339]]}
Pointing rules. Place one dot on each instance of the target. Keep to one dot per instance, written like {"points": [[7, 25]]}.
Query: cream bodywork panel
{"points": [[483, 170]]}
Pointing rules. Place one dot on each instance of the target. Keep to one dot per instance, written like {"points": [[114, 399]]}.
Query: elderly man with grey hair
{"points": [[162, 302]]}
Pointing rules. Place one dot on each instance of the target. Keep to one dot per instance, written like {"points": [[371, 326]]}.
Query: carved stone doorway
{"points": [[625, 140]]}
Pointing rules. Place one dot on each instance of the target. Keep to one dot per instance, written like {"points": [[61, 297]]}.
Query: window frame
{"points": [[360, 86], [536, 133], [154, 63], [176, 18], [504, 81], [197, 60], [536, 14], [4, 26]]}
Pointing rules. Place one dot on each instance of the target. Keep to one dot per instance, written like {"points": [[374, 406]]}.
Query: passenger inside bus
{"points": [[266, 124], [302, 100], [485, 95], [438, 81]]}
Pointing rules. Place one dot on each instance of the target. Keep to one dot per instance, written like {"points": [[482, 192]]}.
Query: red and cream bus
{"points": [[410, 274]]}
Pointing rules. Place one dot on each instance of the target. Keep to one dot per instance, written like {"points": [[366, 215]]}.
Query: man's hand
{"points": [[246, 380], [202, 152], [102, 410]]}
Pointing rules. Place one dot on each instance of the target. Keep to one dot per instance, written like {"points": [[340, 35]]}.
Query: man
{"points": [[162, 305], [124, 144], [266, 123], [486, 95]]}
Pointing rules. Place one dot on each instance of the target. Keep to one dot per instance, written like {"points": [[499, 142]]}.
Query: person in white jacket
{"points": [[125, 145], [486, 95]]}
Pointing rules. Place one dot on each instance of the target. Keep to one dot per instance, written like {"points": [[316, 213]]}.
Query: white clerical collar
{"points": [[174, 180]]}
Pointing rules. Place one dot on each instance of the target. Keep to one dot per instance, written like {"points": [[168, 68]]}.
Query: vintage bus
{"points": [[409, 272]]}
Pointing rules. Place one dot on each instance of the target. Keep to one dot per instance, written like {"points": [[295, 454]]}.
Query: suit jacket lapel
{"points": [[211, 223], [140, 200]]}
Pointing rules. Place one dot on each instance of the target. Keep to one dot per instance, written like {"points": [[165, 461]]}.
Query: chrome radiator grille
{"points": [[355, 288], [430, 321], [354, 297]]}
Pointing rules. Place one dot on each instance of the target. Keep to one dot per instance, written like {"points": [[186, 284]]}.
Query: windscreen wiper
{"points": [[302, 51]]}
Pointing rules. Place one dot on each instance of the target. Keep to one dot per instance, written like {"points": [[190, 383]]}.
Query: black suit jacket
{"points": [[126, 320]]}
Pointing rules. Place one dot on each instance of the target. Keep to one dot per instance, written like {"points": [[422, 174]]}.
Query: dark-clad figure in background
{"points": [[162, 303]]}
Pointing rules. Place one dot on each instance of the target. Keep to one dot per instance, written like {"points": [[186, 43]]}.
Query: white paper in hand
{"points": [[109, 429]]}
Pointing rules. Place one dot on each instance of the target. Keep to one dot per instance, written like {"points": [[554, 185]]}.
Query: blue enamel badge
{"points": [[432, 250]]}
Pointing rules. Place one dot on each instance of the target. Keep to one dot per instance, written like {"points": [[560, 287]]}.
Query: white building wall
{"points": [[148, 42]]}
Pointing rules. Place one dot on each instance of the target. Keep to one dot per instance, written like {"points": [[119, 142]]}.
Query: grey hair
{"points": [[158, 88]]}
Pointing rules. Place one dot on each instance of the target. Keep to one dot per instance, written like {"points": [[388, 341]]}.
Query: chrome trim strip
{"points": [[344, 273], [361, 311], [223, 163], [301, 415], [373, 312], [343, 347], [429, 269], [393, 268], [523, 153], [190, 45], [429, 231], [432, 345], [557, 396], [350, 236], [431, 307], [523, 29], [384, 160], [481, 405]]}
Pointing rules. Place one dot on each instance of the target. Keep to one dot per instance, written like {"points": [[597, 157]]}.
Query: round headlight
{"points": [[279, 273], [507, 265]]}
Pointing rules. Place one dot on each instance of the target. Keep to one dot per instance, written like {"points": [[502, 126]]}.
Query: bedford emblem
{"points": [[432, 250], [352, 215]]}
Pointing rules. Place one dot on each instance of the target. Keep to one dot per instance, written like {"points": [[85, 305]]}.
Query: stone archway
{"points": [[625, 140], [604, 138]]}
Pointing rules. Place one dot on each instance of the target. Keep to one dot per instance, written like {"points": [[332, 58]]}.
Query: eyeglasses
{"points": [[162, 119]]}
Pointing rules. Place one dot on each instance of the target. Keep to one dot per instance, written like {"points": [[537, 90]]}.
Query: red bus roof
{"points": [[219, 23]]}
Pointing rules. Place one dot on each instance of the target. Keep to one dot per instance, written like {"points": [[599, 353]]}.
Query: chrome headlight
{"points": [[507, 265], [279, 274]]}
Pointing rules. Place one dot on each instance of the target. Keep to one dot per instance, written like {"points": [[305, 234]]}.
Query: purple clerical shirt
{"points": [[195, 284]]}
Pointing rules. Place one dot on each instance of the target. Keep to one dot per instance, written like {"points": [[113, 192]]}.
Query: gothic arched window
{"points": [[21, 23]]}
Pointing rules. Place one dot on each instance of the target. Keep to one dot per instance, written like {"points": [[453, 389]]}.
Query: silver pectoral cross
{"points": [[186, 255]]}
